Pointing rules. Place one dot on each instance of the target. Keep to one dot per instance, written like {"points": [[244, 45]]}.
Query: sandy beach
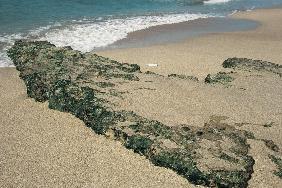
{"points": [[202, 55], [43, 147]]}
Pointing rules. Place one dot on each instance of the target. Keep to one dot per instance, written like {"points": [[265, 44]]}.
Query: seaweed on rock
{"points": [[73, 82], [278, 162], [271, 145], [249, 64], [182, 163], [221, 77], [184, 77]]}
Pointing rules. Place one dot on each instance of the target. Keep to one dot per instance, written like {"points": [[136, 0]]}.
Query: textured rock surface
{"points": [[249, 64], [88, 86], [221, 77], [184, 77], [278, 162]]}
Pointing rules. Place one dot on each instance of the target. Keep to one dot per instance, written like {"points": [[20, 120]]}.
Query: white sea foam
{"points": [[216, 1], [5, 61], [86, 35], [6, 41]]}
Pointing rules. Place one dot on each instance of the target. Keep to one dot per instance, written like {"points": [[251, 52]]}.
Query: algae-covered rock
{"points": [[85, 86], [184, 77], [249, 64], [278, 162], [182, 163], [36, 86], [140, 144], [221, 77], [23, 54], [271, 145]]}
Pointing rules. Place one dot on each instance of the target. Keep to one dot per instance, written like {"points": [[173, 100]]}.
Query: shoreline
{"points": [[161, 34], [178, 32], [204, 54], [236, 21]]}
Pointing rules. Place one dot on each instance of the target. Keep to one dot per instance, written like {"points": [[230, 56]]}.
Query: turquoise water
{"points": [[90, 24]]}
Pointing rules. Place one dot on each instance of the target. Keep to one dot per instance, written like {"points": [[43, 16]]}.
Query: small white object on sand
{"points": [[152, 65]]}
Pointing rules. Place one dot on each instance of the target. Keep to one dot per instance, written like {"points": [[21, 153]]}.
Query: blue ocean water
{"points": [[89, 24]]}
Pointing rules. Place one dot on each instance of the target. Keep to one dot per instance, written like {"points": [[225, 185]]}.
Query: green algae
{"points": [[278, 162], [249, 64], [184, 77], [105, 84], [229, 158], [154, 128], [36, 87], [271, 145], [183, 164], [139, 144], [221, 78]]}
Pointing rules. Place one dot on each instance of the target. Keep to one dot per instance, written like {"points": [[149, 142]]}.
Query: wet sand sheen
{"points": [[173, 33]]}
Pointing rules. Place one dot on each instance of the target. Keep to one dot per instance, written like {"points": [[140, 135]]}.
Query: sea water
{"points": [[86, 25]]}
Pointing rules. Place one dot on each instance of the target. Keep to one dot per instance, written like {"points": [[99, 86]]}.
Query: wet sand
{"points": [[173, 33]]}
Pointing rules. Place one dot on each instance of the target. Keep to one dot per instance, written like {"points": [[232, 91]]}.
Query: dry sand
{"points": [[252, 100], [46, 148]]}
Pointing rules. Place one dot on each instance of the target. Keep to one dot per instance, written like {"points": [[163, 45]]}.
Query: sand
{"points": [[253, 98], [42, 147], [250, 102], [202, 55], [46, 148]]}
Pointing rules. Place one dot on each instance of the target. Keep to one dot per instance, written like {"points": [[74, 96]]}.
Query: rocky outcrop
{"points": [[221, 77], [278, 162], [249, 64], [184, 77], [86, 84]]}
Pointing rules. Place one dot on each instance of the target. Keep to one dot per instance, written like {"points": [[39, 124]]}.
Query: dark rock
{"points": [[278, 162], [221, 77], [267, 125], [105, 84], [249, 64], [139, 144], [271, 145], [183, 164], [185, 77], [150, 72]]}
